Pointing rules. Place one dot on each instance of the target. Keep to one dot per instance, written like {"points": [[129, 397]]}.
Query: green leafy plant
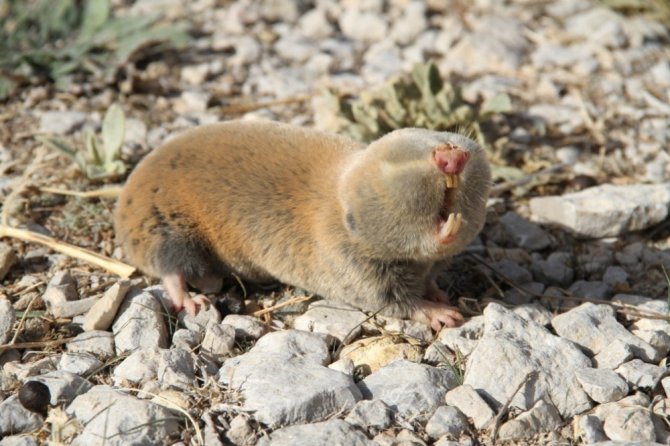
{"points": [[418, 99], [99, 161], [61, 39]]}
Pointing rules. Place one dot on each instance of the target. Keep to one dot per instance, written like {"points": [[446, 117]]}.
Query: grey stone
{"points": [[525, 234], [140, 323], [602, 385], [592, 289], [295, 49], [246, 327], [18, 440], [447, 421], [589, 429], [373, 414], [605, 211], [98, 343], [63, 386], [199, 322], [247, 51], [103, 311], [523, 295], [219, 340], [139, 367], [639, 374], [283, 389], [362, 25], [344, 365], [7, 259], [524, 347], [496, 45], [632, 423], [409, 388], [61, 289], [659, 339], [556, 270], [411, 24], [315, 25], [126, 420], [61, 122], [176, 369], [7, 319], [615, 276], [594, 327], [22, 371], [185, 338], [14, 418], [295, 344], [379, 61], [334, 318], [535, 313], [468, 401], [240, 432], [463, 339], [513, 271], [79, 363], [600, 25], [325, 432], [542, 417], [616, 353]]}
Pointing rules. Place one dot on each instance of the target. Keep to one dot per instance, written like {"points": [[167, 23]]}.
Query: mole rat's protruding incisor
{"points": [[364, 225]]}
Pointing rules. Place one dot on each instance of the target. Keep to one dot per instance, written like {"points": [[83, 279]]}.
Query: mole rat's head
{"points": [[416, 194]]}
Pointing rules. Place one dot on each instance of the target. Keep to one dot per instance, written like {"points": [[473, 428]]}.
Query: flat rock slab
{"points": [[115, 418], [409, 388], [104, 310], [602, 385], [295, 344], [594, 328], [605, 211], [335, 432], [97, 343], [467, 400], [140, 323], [283, 391], [334, 318], [542, 417], [524, 346]]}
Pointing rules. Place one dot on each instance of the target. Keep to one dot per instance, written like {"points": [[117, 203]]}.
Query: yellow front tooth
{"points": [[448, 226], [449, 181], [457, 223]]}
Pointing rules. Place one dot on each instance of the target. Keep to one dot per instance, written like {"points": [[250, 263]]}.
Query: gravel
{"points": [[589, 88]]}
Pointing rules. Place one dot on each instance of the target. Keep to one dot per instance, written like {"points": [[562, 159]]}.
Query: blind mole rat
{"points": [[270, 201]]}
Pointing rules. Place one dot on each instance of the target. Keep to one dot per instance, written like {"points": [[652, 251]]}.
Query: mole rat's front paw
{"points": [[192, 305], [437, 314]]}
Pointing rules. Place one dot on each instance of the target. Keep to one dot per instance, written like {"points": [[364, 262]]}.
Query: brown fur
{"points": [[319, 211]]}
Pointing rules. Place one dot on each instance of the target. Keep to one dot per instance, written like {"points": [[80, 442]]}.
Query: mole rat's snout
{"points": [[451, 160]]}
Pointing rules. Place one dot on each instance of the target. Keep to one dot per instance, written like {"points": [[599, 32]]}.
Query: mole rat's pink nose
{"points": [[450, 159]]}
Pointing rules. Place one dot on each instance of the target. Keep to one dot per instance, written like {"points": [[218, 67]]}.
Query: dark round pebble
{"points": [[35, 397]]}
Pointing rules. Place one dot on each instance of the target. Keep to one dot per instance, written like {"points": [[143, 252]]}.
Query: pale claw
{"points": [[191, 305], [437, 314]]}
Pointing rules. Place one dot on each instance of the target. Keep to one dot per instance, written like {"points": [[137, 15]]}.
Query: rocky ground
{"points": [[565, 291]]}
